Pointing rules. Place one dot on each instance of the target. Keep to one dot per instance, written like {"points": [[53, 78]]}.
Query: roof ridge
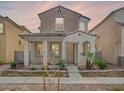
{"points": [[22, 27]]}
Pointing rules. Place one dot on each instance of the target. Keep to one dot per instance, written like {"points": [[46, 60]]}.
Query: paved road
{"points": [[74, 78]]}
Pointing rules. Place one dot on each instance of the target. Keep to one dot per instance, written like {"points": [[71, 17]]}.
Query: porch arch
{"points": [[84, 41]]}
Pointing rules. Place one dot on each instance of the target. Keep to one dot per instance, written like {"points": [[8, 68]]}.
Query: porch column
{"points": [[122, 41], [93, 48], [81, 58], [64, 50], [32, 52], [79, 53], [44, 53], [75, 53], [26, 54], [121, 57]]}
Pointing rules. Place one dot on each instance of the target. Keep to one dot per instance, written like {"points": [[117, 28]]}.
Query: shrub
{"points": [[90, 59], [61, 64], [1, 61], [32, 68], [101, 63], [13, 64]]}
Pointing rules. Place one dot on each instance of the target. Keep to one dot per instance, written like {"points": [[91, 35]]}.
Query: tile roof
{"points": [[61, 34], [41, 34]]}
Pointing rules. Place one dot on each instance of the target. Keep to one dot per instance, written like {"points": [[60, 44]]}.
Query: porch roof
{"points": [[61, 34], [23, 35]]}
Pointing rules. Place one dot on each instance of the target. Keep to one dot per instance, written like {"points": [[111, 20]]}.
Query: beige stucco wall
{"points": [[2, 46], [12, 41], [109, 39], [122, 42]]}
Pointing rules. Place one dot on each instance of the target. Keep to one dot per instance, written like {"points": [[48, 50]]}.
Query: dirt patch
{"points": [[109, 67], [33, 73], [63, 87], [103, 74]]}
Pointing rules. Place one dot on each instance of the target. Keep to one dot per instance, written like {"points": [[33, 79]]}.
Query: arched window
{"points": [[86, 47]]}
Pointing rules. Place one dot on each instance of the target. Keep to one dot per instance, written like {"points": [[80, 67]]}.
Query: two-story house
{"points": [[111, 37], [63, 34], [9, 39]]}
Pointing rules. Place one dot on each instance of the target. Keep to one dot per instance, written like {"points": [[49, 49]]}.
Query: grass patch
{"points": [[103, 74], [31, 74], [117, 89]]}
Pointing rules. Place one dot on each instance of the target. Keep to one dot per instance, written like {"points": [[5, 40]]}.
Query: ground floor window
{"points": [[55, 49]]}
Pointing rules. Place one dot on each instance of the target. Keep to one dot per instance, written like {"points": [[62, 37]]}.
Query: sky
{"points": [[25, 12]]}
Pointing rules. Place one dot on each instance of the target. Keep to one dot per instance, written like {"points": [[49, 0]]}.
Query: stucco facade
{"points": [[9, 39], [110, 36], [71, 19]]}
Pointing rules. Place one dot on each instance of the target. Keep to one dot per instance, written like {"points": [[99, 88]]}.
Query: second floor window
{"points": [[1, 28], [59, 24], [81, 26]]}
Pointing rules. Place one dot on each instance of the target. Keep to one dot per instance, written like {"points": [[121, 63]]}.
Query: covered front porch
{"points": [[48, 48]]}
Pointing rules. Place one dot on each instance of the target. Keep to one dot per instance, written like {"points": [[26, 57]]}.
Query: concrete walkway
{"points": [[73, 72], [74, 78]]}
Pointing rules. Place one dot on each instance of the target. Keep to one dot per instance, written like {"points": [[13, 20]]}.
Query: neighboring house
{"points": [[9, 39], [111, 37], [63, 34]]}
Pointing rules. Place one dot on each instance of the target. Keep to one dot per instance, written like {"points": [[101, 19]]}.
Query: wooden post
{"points": [[58, 83], [44, 84], [58, 79]]}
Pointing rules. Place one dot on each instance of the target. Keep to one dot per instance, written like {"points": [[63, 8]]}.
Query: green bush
{"points": [[91, 57], [32, 68], [101, 63], [13, 64], [1, 61], [61, 64], [118, 89]]}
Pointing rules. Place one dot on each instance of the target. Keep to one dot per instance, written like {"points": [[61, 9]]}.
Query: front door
{"points": [[70, 53]]}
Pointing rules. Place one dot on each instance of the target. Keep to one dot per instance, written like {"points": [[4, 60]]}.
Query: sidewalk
{"points": [[74, 78], [86, 80]]}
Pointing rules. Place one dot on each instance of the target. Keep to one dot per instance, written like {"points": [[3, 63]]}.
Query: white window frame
{"points": [[56, 27], [81, 26]]}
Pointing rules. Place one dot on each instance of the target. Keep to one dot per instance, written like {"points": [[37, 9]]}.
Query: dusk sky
{"points": [[25, 13]]}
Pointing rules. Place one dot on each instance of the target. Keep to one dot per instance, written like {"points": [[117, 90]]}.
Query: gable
{"points": [[80, 37], [71, 19], [59, 9]]}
